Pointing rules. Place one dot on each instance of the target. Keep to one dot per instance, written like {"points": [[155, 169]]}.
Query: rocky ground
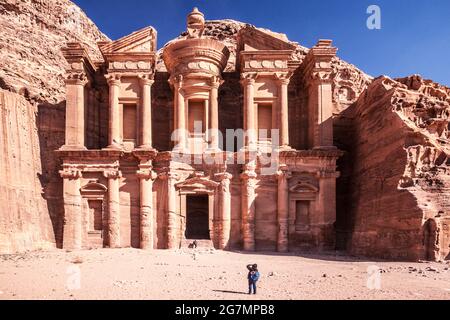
{"points": [[208, 274]]}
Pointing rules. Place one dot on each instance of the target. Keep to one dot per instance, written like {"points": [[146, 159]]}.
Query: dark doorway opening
{"points": [[197, 217]]}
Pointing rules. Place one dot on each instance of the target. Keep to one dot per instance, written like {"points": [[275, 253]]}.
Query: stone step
{"points": [[200, 243]]}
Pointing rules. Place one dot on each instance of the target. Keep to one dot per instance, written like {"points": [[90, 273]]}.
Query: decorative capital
{"points": [[78, 78], [146, 174], [283, 78], [112, 174], [248, 175], [321, 75], [216, 82], [113, 79], [170, 176], [70, 173], [326, 174], [223, 176], [248, 78], [146, 79]]}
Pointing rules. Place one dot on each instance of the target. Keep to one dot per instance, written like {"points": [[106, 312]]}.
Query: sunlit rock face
{"points": [[386, 197]]}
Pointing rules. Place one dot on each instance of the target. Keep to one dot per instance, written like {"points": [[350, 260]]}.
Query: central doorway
{"points": [[197, 217]]}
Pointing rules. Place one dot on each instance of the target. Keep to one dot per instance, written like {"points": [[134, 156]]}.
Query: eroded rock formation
{"points": [[32, 113], [400, 180]]}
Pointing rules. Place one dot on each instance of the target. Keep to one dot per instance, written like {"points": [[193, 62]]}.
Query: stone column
{"points": [[326, 209], [146, 176], [214, 105], [319, 71], [181, 114], [248, 209], [248, 82], [75, 111], [72, 233], [146, 112], [283, 211], [284, 116], [113, 177], [114, 137], [172, 230], [225, 209]]}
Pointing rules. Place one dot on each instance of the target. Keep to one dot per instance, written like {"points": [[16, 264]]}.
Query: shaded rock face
{"points": [[400, 181], [32, 34], [32, 116]]}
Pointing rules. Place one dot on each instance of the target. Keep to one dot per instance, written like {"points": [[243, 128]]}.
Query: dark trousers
{"points": [[251, 285]]}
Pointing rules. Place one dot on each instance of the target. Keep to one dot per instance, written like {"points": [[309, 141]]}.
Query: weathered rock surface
{"points": [[400, 181], [32, 33], [394, 176], [32, 116]]}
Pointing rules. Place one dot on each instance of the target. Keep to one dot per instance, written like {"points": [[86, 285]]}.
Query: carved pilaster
{"points": [[225, 209], [146, 176], [172, 225], [113, 177], [248, 209], [283, 209], [72, 233], [115, 141]]}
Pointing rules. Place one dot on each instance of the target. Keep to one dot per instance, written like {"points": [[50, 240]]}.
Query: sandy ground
{"points": [[209, 274]]}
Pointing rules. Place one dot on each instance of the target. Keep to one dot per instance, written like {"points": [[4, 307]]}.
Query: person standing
{"points": [[253, 277]]}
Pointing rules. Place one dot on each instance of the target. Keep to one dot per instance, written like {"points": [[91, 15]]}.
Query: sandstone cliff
{"points": [[400, 181], [32, 116]]}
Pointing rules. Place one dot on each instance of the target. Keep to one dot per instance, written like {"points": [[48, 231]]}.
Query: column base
{"points": [[67, 147], [114, 146], [326, 148], [145, 147], [285, 148]]}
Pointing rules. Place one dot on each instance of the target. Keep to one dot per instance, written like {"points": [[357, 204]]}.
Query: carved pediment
{"points": [[198, 183], [304, 187], [252, 39], [141, 41], [94, 187]]}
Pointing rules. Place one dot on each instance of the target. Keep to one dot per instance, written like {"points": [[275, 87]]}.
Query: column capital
{"points": [[216, 82], [327, 174], [283, 173], [146, 79], [113, 79], [248, 78], [112, 174], [248, 175], [70, 173], [170, 176], [146, 174], [223, 177], [321, 75], [176, 81], [283, 78], [78, 78]]}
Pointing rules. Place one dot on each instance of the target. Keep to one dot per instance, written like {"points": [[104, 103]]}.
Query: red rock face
{"points": [[392, 197], [32, 116], [400, 179]]}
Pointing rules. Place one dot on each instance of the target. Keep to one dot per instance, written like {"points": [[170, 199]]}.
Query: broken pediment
{"points": [[252, 39], [198, 183], [141, 41]]}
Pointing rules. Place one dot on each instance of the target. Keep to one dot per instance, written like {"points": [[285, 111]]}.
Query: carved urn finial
{"points": [[195, 24]]}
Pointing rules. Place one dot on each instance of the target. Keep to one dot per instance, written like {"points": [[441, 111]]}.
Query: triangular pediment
{"points": [[304, 187], [252, 39], [141, 41]]}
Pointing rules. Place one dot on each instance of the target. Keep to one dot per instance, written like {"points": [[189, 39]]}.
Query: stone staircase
{"points": [[207, 244]]}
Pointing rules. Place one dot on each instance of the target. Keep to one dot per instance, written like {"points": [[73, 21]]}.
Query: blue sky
{"points": [[414, 35]]}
